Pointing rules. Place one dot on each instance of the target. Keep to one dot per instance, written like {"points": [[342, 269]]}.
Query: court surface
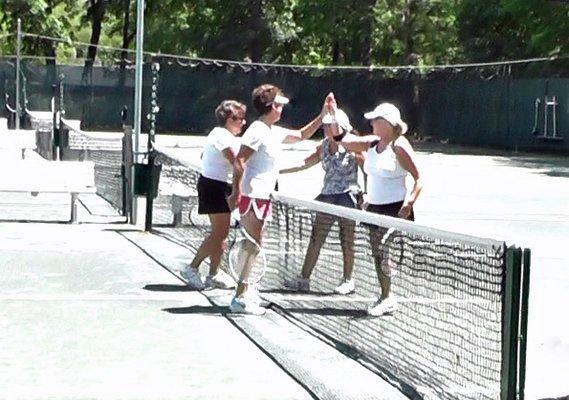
{"points": [[61, 285], [520, 198]]}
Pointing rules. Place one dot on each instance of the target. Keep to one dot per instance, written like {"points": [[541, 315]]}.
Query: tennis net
{"points": [[447, 338], [104, 149]]}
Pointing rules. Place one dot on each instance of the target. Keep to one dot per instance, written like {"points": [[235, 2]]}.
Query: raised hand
{"points": [[329, 104]]}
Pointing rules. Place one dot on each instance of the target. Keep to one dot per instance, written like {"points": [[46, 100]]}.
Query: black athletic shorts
{"points": [[346, 199], [212, 196], [390, 209]]}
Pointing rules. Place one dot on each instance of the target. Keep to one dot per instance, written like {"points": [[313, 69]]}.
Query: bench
{"points": [[34, 177], [20, 140], [179, 194]]}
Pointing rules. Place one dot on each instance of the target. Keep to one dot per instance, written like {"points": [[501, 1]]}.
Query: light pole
{"points": [[18, 47], [137, 95]]}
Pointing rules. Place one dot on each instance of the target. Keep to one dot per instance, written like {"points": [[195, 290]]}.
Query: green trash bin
{"points": [[144, 176]]}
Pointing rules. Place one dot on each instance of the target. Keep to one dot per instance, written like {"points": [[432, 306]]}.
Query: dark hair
{"points": [[263, 97], [229, 108]]}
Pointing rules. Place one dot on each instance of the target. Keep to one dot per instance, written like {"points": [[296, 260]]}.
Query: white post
{"points": [[18, 47], [137, 95]]}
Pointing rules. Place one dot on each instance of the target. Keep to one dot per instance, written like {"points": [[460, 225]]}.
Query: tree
{"points": [[513, 29], [45, 17], [95, 15]]}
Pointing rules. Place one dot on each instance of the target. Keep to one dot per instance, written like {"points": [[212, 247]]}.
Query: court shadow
{"points": [[205, 310], [168, 288]]}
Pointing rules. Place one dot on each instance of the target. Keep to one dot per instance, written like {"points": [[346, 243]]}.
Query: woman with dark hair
{"points": [[214, 186], [255, 172], [340, 187]]}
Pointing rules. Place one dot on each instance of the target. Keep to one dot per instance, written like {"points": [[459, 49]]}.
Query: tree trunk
{"points": [[367, 32], [407, 30], [126, 38], [97, 14], [257, 24], [50, 52], [362, 39]]}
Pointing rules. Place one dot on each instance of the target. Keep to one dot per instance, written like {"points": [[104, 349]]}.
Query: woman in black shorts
{"points": [[340, 188], [388, 161], [214, 186]]}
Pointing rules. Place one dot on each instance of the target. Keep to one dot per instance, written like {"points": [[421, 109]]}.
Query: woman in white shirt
{"points": [[255, 172], [389, 159], [214, 186]]}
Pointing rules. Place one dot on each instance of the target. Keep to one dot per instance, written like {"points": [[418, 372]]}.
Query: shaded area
{"points": [[206, 310]]}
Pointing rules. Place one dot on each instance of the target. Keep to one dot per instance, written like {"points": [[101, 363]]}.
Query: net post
{"points": [[150, 192], [127, 172], [524, 311], [510, 323], [54, 123], [18, 66]]}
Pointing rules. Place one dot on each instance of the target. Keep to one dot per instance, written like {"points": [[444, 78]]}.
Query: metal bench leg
{"points": [[73, 208], [177, 203]]}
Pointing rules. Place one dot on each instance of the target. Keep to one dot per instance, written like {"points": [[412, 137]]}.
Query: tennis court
{"points": [[500, 196], [512, 197], [460, 273]]}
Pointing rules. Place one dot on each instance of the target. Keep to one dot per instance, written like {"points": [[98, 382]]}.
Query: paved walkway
{"points": [[85, 313]]}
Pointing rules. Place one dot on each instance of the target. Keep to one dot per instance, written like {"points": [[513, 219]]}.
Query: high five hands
{"points": [[329, 109]]}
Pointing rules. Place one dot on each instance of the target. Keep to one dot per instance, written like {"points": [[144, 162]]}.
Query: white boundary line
{"points": [[335, 298]]}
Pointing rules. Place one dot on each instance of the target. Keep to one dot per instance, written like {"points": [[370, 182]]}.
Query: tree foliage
{"points": [[339, 32]]}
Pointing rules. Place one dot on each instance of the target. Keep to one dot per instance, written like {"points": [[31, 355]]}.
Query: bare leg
{"points": [[254, 227], [213, 244], [380, 260], [320, 229], [347, 229]]}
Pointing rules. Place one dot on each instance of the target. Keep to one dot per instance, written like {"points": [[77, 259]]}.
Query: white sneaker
{"points": [[346, 287], [221, 280], [243, 305], [193, 278], [298, 284], [382, 307], [252, 294]]}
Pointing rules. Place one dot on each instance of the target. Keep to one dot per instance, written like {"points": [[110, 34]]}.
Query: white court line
{"points": [[363, 299], [82, 297]]}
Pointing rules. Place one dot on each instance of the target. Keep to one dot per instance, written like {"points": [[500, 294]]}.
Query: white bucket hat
{"points": [[390, 113], [339, 117]]}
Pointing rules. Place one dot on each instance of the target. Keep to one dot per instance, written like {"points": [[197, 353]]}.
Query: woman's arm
{"points": [[355, 144], [305, 132], [407, 159], [229, 155], [238, 167], [308, 162], [309, 129]]}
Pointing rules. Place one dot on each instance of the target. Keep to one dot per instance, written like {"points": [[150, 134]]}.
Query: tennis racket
{"points": [[241, 254]]}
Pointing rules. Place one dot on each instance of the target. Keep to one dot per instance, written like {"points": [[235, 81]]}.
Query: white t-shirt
{"points": [[214, 164], [261, 171], [385, 176]]}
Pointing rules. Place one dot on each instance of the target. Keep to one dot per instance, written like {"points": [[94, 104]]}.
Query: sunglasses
{"points": [[237, 118]]}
